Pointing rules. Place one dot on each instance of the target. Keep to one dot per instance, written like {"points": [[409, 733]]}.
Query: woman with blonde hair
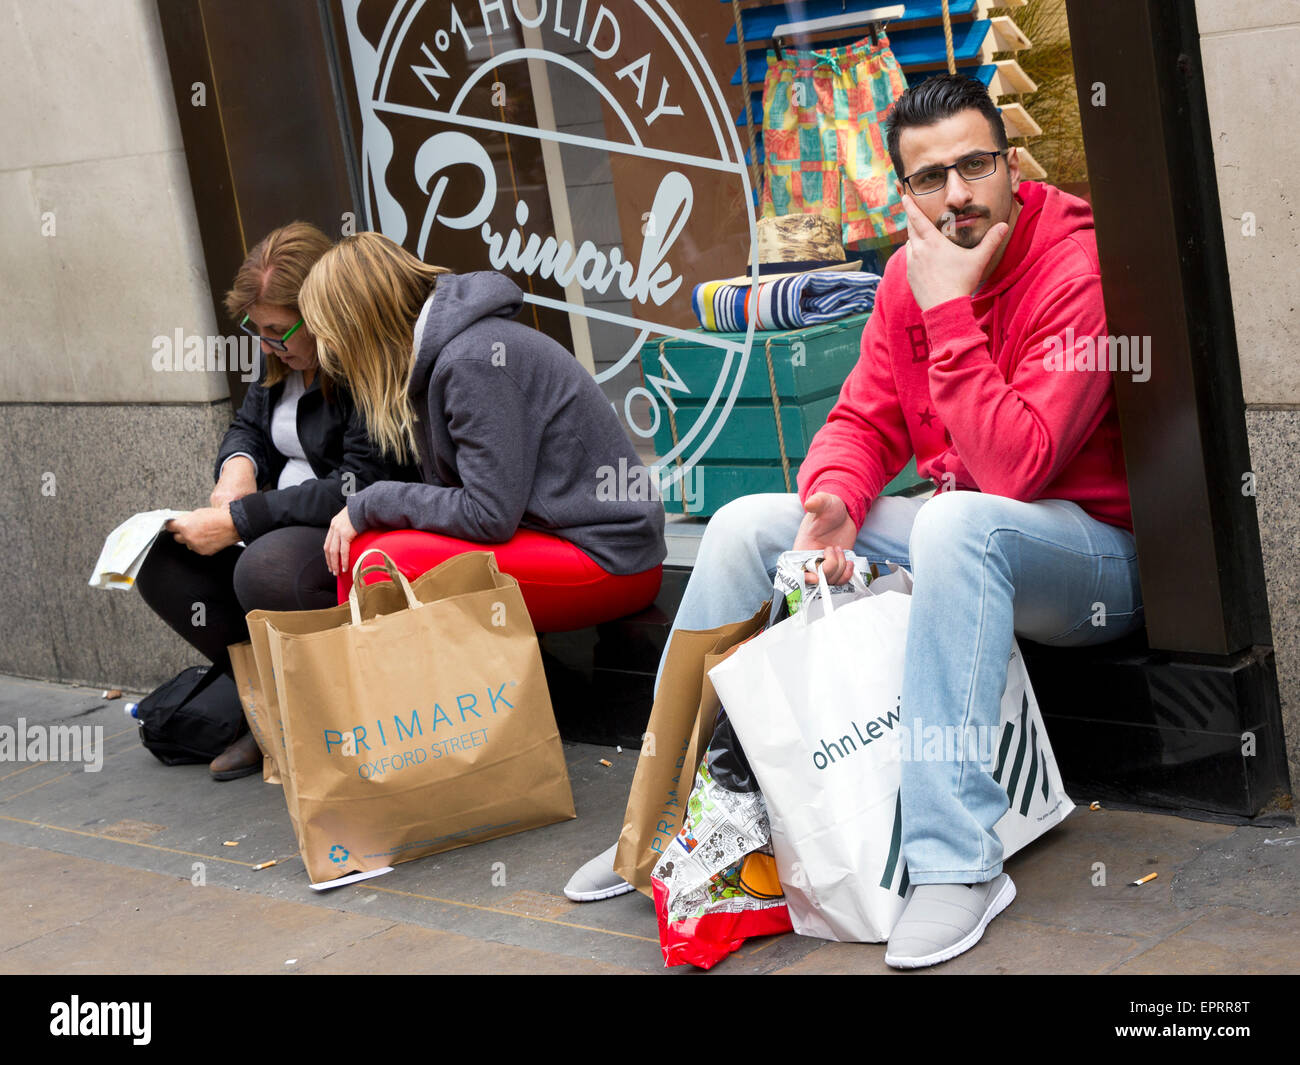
{"points": [[514, 439], [296, 448]]}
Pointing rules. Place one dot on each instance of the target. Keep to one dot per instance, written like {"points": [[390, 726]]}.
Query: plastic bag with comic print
{"points": [[716, 884]]}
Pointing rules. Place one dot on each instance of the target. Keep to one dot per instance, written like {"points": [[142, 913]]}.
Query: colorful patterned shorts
{"points": [[824, 143]]}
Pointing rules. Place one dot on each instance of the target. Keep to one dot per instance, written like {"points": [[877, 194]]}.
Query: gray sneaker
{"points": [[597, 880], [943, 920]]}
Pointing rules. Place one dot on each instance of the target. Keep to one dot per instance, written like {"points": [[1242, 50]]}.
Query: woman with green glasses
{"points": [[295, 451]]}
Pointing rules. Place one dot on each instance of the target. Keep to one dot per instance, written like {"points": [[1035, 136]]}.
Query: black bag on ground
{"points": [[192, 718]]}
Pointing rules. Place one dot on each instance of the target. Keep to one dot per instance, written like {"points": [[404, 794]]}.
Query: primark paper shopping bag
{"points": [[257, 712], [680, 726], [418, 730], [255, 674], [817, 707]]}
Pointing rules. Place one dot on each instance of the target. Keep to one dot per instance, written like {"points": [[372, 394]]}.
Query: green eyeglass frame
{"points": [[272, 342]]}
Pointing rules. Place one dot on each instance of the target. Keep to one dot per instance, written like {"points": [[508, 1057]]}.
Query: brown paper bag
{"points": [[276, 740], [251, 660], [257, 712], [425, 727], [680, 727]]}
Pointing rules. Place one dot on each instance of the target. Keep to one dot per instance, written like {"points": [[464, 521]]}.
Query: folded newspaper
{"points": [[789, 583], [126, 546]]}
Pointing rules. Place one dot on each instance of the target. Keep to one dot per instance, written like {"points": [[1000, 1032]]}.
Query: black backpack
{"points": [[192, 718]]}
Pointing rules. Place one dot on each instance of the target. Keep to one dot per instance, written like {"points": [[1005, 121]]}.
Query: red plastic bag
{"points": [[716, 884], [706, 939]]}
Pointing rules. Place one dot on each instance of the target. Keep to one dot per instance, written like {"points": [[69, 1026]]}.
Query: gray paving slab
{"points": [[70, 915], [86, 853], [137, 813]]}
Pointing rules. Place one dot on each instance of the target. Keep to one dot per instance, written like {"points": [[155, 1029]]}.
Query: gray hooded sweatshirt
{"points": [[513, 433]]}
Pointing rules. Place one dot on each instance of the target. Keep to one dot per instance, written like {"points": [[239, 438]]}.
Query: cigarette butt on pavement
{"points": [[1094, 806], [1145, 879], [230, 843], [606, 762], [264, 865], [110, 693]]}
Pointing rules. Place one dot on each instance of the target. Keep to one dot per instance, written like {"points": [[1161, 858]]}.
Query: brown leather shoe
{"points": [[240, 759]]}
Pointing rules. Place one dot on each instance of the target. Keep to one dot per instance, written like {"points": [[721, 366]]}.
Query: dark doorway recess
{"points": [[1189, 717], [264, 144]]}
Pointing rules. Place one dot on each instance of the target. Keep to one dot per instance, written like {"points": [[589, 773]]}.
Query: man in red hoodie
{"points": [[979, 359]]}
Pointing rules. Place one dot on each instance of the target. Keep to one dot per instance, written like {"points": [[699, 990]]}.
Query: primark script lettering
{"points": [[652, 279]]}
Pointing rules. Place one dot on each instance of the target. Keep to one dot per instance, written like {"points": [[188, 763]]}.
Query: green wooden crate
{"points": [[806, 363], [750, 432], [805, 367]]}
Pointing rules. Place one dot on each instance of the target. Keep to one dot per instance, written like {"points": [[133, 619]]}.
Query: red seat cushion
{"points": [[562, 587]]}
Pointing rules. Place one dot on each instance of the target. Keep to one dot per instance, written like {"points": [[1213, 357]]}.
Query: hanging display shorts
{"points": [[823, 140]]}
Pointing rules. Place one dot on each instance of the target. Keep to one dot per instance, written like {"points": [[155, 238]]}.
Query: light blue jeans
{"points": [[983, 567]]}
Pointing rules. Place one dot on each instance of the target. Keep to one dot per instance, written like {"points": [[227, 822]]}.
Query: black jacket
{"points": [[334, 439]]}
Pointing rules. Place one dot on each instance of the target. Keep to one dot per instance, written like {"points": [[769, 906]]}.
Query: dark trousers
{"points": [[204, 598]]}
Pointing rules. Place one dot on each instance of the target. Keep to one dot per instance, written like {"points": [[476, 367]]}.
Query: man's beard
{"points": [[967, 236]]}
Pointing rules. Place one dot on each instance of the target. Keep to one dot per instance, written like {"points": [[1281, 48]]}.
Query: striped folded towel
{"points": [[787, 303]]}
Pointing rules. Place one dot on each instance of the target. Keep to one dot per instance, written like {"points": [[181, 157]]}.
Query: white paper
{"points": [[126, 547], [351, 878]]}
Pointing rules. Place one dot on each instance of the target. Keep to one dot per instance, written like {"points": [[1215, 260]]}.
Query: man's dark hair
{"points": [[932, 101]]}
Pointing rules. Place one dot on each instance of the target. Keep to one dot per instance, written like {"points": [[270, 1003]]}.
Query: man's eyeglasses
{"points": [[270, 342], [971, 168]]}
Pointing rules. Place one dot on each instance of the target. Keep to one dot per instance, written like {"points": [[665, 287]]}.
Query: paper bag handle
{"points": [[394, 574]]}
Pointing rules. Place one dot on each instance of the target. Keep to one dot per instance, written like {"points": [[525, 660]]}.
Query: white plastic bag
{"points": [[816, 705]]}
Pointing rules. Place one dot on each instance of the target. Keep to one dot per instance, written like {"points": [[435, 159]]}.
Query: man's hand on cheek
{"points": [[939, 270]]}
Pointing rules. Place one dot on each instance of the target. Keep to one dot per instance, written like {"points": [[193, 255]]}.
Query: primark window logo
{"points": [[584, 148]]}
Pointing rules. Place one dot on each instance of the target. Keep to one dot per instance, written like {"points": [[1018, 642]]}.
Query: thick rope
{"points": [[749, 102], [672, 422], [776, 410], [947, 38]]}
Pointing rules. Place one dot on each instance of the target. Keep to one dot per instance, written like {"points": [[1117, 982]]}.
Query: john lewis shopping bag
{"points": [[418, 730], [817, 708]]}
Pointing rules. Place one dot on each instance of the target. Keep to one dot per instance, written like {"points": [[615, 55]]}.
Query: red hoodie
{"points": [[965, 388]]}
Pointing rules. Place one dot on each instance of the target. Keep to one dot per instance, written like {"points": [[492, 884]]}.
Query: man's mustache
{"points": [[970, 212]]}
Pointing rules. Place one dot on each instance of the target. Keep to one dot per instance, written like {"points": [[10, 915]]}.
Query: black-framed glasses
{"points": [[973, 167], [271, 342]]}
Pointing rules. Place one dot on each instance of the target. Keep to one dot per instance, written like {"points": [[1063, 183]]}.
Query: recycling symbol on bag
{"points": [[338, 853]]}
